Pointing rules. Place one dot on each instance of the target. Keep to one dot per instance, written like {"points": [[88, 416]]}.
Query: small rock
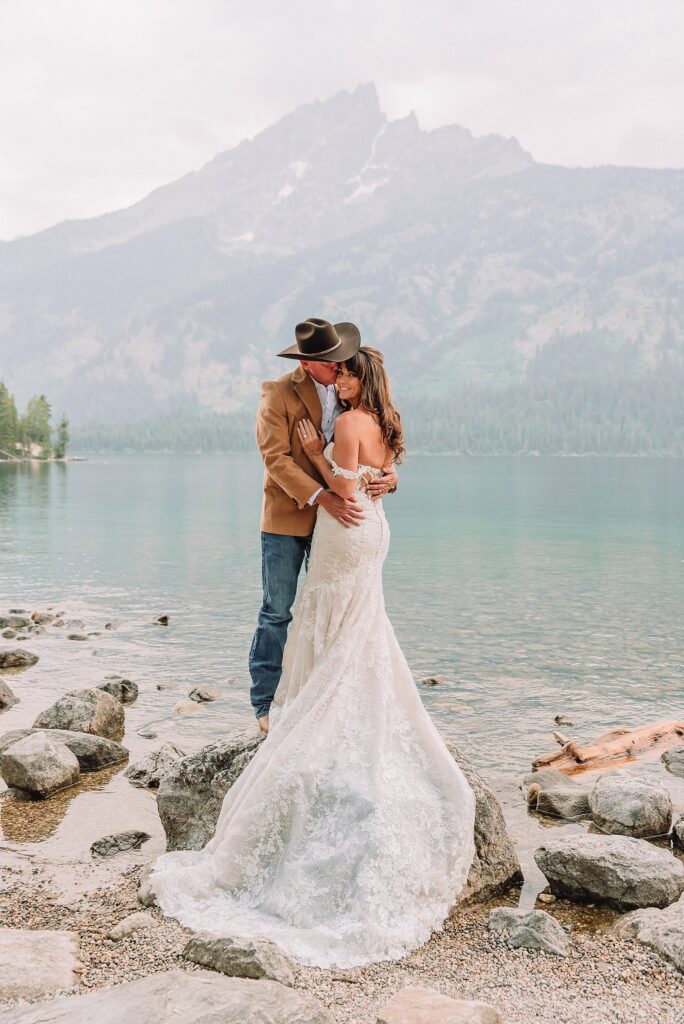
{"points": [[623, 804], [562, 720], [42, 618], [119, 842], [59, 623], [186, 707], [39, 765], [415, 1005], [125, 690], [240, 958], [17, 658], [135, 922], [546, 897], [9, 634], [110, 625], [76, 624], [146, 895], [76, 636], [204, 693], [538, 930], [37, 630], [162, 620], [434, 680], [7, 697], [15, 621]]}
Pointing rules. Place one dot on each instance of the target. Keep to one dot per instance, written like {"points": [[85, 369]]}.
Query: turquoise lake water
{"points": [[537, 586]]}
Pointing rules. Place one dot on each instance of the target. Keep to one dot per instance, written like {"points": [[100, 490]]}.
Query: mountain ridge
{"points": [[461, 257]]}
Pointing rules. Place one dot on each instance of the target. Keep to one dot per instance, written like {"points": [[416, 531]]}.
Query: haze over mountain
{"points": [[468, 263]]}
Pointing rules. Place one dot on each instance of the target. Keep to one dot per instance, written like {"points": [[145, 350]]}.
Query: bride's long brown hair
{"points": [[368, 366]]}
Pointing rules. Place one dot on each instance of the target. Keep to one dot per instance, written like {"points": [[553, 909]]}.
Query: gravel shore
{"points": [[603, 980]]}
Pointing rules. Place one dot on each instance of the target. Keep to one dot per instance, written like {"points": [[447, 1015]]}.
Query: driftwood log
{"points": [[617, 747]]}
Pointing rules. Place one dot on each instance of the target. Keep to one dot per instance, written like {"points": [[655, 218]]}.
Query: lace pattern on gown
{"points": [[349, 835]]}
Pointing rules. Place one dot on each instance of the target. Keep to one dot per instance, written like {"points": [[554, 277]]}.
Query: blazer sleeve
{"points": [[273, 440]]}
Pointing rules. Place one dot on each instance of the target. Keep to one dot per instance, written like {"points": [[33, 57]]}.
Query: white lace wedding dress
{"points": [[350, 834]]}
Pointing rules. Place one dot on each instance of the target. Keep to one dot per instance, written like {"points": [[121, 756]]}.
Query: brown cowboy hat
{"points": [[323, 342]]}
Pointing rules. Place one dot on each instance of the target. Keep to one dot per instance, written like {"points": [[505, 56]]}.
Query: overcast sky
{"points": [[103, 100]]}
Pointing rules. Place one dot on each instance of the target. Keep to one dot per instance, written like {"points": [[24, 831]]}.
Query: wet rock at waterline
{"points": [[17, 658], [119, 842], [204, 694], [91, 752], [621, 871], [39, 765], [674, 761], [556, 795], [151, 769], [89, 710], [7, 697], [76, 636], [623, 804], [14, 621], [125, 690], [433, 680], [495, 866]]}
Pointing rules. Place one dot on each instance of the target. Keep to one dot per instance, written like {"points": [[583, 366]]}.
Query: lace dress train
{"points": [[349, 835]]}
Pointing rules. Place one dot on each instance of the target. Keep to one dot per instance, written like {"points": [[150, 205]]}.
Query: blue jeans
{"points": [[281, 562]]}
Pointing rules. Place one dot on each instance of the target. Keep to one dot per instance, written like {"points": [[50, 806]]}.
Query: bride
{"points": [[349, 835]]}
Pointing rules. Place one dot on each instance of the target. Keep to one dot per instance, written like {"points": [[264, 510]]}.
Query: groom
{"points": [[293, 488]]}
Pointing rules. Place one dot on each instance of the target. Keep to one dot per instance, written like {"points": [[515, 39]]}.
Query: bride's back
{"points": [[372, 448]]}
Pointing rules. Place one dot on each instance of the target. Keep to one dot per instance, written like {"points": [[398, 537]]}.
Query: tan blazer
{"points": [[289, 477]]}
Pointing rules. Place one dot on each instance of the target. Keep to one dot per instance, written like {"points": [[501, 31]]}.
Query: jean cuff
{"points": [[261, 710]]}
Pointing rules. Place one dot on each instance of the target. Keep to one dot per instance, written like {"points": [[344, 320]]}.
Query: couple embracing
{"points": [[349, 835]]}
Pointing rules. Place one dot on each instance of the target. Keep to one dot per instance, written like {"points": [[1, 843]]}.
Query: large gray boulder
{"points": [[90, 710], [179, 997], [674, 761], [624, 872], [192, 791], [35, 962], [17, 657], [149, 771], [417, 1005], [91, 752], [660, 930], [39, 765], [625, 805], [7, 697], [495, 867], [240, 957]]}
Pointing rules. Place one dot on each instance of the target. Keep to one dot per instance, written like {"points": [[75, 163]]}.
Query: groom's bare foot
{"points": [[263, 723]]}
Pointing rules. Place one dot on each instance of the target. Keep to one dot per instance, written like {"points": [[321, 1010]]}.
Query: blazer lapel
{"points": [[306, 389]]}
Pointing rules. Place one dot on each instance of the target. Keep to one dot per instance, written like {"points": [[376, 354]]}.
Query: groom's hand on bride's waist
{"points": [[346, 510], [385, 484]]}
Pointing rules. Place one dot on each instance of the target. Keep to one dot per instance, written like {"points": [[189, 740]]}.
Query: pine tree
{"points": [[37, 423], [62, 442], [8, 421]]}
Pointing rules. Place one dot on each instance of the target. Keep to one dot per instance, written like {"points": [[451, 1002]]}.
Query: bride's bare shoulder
{"points": [[355, 420]]}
